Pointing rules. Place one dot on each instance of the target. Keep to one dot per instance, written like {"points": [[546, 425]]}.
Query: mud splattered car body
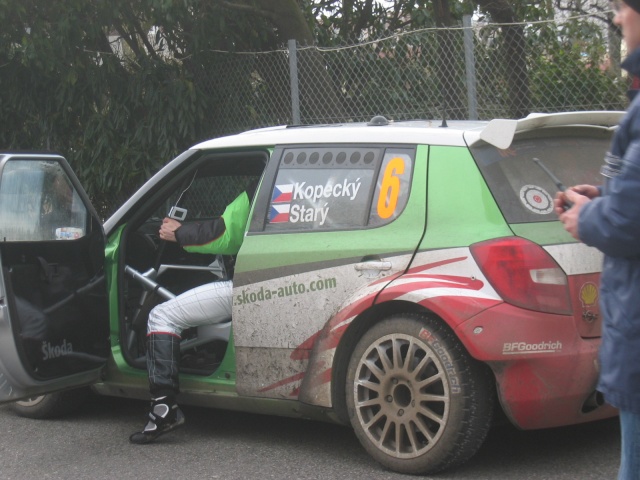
{"points": [[406, 278]]}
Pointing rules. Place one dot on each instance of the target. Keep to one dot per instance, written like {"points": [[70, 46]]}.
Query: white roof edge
{"points": [[500, 132]]}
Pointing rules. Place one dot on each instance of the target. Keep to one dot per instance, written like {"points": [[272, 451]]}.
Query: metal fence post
{"points": [[293, 75], [470, 68]]}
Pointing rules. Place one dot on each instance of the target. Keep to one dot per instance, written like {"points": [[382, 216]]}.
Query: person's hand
{"points": [[570, 218], [562, 202], [559, 202], [589, 191], [168, 229]]}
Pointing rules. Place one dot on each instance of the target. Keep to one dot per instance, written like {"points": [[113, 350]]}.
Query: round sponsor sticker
{"points": [[536, 199]]}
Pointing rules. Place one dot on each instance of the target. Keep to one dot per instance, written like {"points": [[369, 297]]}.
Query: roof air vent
{"points": [[377, 121]]}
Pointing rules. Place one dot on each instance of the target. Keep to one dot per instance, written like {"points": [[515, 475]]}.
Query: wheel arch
{"points": [[461, 394], [357, 328], [324, 383]]}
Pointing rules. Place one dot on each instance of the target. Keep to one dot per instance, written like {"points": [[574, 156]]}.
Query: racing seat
{"points": [[208, 333], [205, 333]]}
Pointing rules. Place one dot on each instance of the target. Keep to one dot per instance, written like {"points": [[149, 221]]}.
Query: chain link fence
{"points": [[471, 72]]}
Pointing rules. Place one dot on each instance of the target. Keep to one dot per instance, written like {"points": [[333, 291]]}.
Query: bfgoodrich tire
{"points": [[51, 405], [417, 401]]}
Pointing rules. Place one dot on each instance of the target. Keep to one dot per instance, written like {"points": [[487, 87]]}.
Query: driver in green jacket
{"points": [[203, 305]]}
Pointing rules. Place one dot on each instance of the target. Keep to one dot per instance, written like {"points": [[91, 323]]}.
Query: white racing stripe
{"points": [[425, 293], [576, 258]]}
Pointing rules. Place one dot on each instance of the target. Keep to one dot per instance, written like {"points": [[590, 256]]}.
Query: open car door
{"points": [[54, 331]]}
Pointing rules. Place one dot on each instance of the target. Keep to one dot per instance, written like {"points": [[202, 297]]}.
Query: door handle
{"points": [[373, 265]]}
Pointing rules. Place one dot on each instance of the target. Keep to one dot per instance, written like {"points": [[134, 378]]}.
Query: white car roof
{"points": [[499, 132], [413, 132]]}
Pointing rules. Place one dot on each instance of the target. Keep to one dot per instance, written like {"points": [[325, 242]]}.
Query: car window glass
{"points": [[332, 187], [204, 197], [195, 195], [392, 187], [523, 190], [38, 202]]}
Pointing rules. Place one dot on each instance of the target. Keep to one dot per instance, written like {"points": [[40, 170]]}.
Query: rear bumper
{"points": [[545, 372]]}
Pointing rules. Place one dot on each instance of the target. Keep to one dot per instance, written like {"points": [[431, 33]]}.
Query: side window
{"points": [[38, 202], [339, 187], [392, 188], [204, 197], [199, 192]]}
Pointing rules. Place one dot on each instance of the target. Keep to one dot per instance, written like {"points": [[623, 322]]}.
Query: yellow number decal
{"points": [[390, 188]]}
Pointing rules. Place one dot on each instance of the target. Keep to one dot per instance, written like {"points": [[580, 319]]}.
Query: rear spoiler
{"points": [[500, 132]]}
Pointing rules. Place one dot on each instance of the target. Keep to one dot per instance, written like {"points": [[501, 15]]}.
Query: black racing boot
{"points": [[164, 416], [163, 354]]}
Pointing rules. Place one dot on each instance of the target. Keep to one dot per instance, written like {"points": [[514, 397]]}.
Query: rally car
{"points": [[408, 278]]}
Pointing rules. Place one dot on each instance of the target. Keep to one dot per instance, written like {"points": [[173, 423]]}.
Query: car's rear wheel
{"points": [[51, 405], [416, 400]]}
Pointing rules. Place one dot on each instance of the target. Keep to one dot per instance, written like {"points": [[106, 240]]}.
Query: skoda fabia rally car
{"points": [[408, 278]]}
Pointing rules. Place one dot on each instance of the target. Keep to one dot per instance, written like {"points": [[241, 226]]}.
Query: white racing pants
{"points": [[203, 305]]}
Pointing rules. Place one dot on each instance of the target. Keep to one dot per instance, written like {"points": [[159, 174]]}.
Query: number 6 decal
{"points": [[390, 187]]}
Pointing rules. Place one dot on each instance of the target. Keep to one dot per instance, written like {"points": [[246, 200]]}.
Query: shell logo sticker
{"points": [[536, 199], [588, 294], [589, 298]]}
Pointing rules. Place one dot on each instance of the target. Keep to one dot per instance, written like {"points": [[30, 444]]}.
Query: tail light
{"points": [[524, 274]]}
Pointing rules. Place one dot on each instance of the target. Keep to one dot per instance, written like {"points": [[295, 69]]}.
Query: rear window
{"points": [[523, 190]]}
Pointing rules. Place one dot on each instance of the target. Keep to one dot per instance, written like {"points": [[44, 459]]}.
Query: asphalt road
{"points": [[93, 444]]}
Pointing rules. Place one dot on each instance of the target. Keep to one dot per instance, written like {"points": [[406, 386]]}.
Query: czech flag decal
{"points": [[279, 213], [282, 193]]}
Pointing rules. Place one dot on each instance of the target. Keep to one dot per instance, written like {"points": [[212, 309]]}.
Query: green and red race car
{"points": [[408, 278]]}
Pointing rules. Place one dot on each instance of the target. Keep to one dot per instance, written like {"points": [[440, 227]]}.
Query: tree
{"points": [[599, 10], [117, 115], [514, 55], [290, 23], [120, 86]]}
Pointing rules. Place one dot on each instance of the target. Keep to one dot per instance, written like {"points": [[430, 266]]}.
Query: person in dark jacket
{"points": [[203, 305], [608, 218]]}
